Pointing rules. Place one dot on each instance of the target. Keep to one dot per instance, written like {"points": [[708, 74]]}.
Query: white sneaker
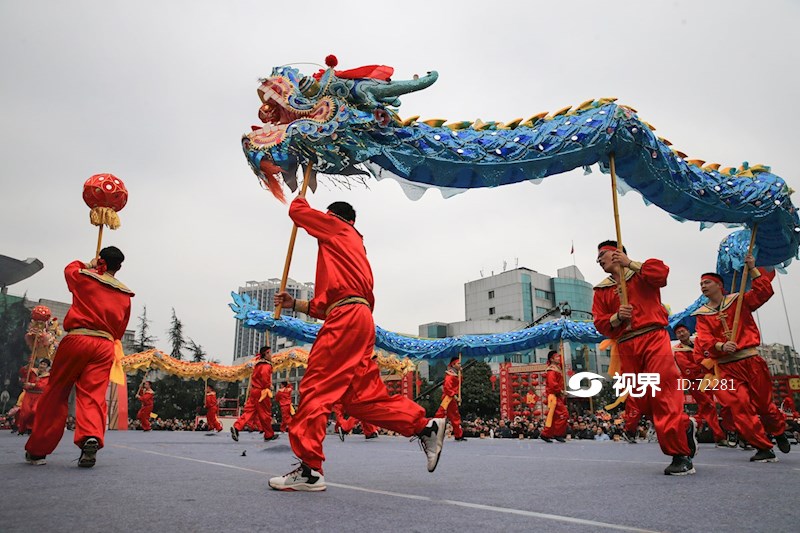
{"points": [[303, 478], [431, 440], [38, 461]]}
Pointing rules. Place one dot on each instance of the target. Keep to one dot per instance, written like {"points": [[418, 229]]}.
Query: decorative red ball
{"points": [[537, 412], [40, 313], [105, 190], [331, 61]]}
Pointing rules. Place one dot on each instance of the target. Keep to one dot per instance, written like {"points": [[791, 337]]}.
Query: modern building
{"points": [[520, 298], [247, 340], [781, 359]]}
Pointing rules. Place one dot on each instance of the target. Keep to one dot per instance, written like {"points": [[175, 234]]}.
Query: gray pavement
{"points": [[184, 481]]}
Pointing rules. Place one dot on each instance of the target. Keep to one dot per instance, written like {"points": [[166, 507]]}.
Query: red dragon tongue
{"points": [[270, 170]]}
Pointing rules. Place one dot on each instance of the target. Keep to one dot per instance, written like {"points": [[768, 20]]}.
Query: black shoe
{"points": [[743, 445], [371, 436], [764, 456], [783, 443], [733, 439], [89, 453], [630, 437], [461, 439], [561, 439], [680, 466], [234, 434], [691, 437], [340, 431], [273, 437], [546, 439], [37, 460]]}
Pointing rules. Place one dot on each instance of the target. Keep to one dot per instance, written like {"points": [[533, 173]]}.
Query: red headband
{"points": [[607, 248], [710, 277]]}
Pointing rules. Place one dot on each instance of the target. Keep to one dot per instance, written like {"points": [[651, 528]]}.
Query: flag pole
{"points": [[292, 238]]}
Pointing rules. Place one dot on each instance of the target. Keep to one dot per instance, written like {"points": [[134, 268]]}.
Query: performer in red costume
{"points": [[344, 425], [450, 392], [146, 397], [258, 408], [284, 399], [692, 371], [101, 308], [555, 426], [212, 409], [644, 346], [745, 383], [33, 392], [340, 365]]}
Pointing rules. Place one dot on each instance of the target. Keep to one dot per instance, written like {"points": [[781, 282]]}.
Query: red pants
{"points": [[750, 399], [85, 362], [340, 368], [212, 420], [707, 410], [559, 426], [144, 417], [632, 416], [347, 424], [286, 417], [257, 413], [452, 415], [27, 411], [651, 353]]}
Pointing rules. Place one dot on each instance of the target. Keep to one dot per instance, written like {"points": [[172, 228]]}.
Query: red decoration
{"points": [[537, 412], [331, 61], [40, 313], [105, 190]]}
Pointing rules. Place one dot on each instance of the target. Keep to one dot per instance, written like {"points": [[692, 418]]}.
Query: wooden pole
{"points": [[742, 285], [459, 378], [99, 241], [292, 238], [623, 296], [33, 358]]}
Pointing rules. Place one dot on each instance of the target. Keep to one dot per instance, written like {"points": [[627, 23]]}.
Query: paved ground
{"points": [[181, 481]]}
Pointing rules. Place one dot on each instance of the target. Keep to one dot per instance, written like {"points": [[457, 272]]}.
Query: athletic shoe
{"points": [[340, 431], [431, 440], [722, 443], [783, 443], [691, 436], [680, 466], [273, 437], [561, 439], [35, 459], [371, 436], [302, 478], [461, 439], [234, 434], [546, 439], [89, 453], [733, 439], [630, 437], [764, 456]]}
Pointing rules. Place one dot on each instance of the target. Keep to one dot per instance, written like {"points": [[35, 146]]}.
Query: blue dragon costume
{"points": [[346, 125]]}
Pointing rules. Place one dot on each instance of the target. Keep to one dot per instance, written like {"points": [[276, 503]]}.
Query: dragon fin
{"points": [[696, 162], [665, 141], [511, 125], [562, 111], [410, 120], [711, 166], [435, 122], [585, 105], [534, 119]]}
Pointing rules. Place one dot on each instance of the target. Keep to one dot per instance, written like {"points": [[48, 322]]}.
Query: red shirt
{"points": [[644, 294], [342, 266], [146, 398], [554, 382], [211, 400], [98, 302], [450, 387], [262, 376], [284, 396], [710, 328], [684, 357]]}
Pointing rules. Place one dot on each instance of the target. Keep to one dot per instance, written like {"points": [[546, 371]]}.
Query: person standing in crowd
{"points": [[258, 408], [643, 344], [340, 365], [745, 384], [101, 308], [555, 426], [692, 372], [146, 397], [212, 409], [451, 390]]}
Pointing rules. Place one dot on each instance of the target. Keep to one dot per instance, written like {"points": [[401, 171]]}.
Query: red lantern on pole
{"points": [[493, 379], [105, 194]]}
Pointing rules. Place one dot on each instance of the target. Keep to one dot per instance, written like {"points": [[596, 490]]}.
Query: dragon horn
{"points": [[398, 88]]}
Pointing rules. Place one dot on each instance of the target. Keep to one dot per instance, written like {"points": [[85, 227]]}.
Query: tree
{"points": [[14, 320], [145, 340], [176, 339], [198, 353], [478, 398]]}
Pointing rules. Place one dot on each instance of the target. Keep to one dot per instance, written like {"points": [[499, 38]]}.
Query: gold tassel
{"points": [[99, 216]]}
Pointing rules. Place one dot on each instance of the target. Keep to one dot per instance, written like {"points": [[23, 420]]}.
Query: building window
{"points": [[540, 311], [544, 295], [491, 294], [491, 310], [605, 369]]}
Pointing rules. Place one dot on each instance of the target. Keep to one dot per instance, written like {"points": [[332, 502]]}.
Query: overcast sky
{"points": [[159, 94]]}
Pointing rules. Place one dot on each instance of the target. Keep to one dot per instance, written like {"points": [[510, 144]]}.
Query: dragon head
{"points": [[327, 119]]}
